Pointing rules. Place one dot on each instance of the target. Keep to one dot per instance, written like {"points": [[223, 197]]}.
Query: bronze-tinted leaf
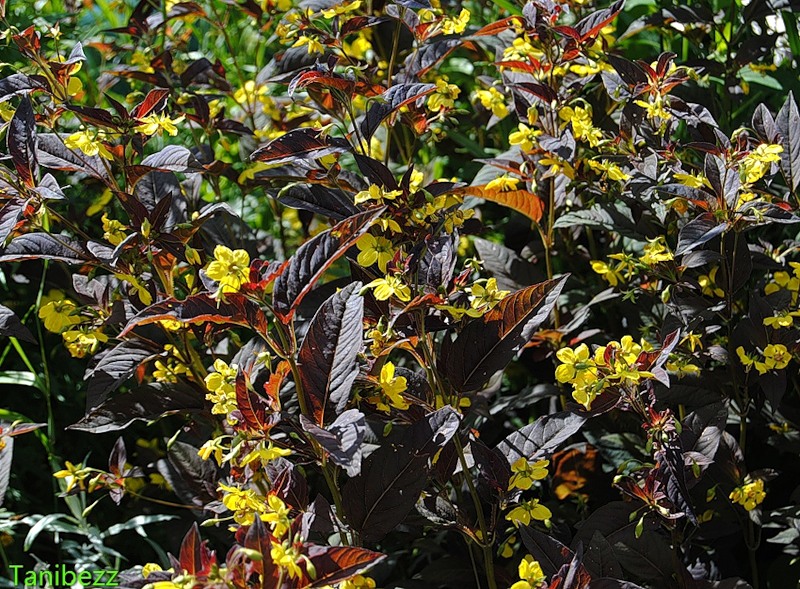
{"points": [[315, 256], [299, 144], [489, 343], [338, 563], [393, 99], [538, 439]]}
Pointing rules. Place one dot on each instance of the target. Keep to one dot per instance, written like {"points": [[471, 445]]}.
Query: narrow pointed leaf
{"points": [[489, 343], [328, 355]]}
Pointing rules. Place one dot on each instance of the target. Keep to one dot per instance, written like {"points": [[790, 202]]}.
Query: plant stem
{"points": [[486, 544]]}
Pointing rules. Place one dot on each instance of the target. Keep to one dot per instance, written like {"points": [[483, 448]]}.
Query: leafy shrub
{"points": [[477, 295]]}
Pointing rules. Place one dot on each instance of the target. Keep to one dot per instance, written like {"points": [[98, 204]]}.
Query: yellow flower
{"points": [[375, 192], [531, 575], [156, 123], [314, 46], [493, 100], [444, 97], [222, 387], [611, 170], [286, 557], [457, 25], [137, 287], [530, 510], [503, 183], [524, 136], [374, 249], [59, 314], [654, 107], [231, 268], [212, 447], [749, 360], [526, 472], [783, 281], [392, 388], [264, 454], [782, 319], [73, 475], [6, 111], [113, 230], [692, 180], [582, 127], [390, 286], [83, 341], [482, 297], [245, 503], [757, 163], [576, 365], [343, 8], [90, 143], [776, 356], [656, 251], [610, 274], [749, 495], [249, 93], [708, 284], [358, 582]]}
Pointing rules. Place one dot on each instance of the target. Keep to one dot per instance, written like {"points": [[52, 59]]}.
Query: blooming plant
{"points": [[407, 293]]}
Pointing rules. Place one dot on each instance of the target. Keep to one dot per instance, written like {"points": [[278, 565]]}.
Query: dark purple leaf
{"points": [[315, 256], [322, 200], [788, 125], [11, 326], [542, 437], [115, 367], [328, 356], [698, 231], [394, 475], [342, 440], [21, 137], [146, 403], [393, 99], [46, 246], [300, 144]]}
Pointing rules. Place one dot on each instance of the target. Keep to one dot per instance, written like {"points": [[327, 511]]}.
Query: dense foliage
{"points": [[401, 294]]}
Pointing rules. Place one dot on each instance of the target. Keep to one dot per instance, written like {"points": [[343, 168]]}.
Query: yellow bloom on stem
{"points": [[113, 230], [530, 510], [708, 284], [59, 314], [457, 25], [340, 9], [358, 582], [757, 163], [692, 180], [576, 365], [611, 170], [486, 297], [749, 495], [376, 193], [582, 127], [374, 249], [504, 183], [73, 475], [231, 268], [776, 356], [277, 515], [526, 472], [656, 251], [312, 43], [389, 286], [265, 454], [90, 143], [524, 136], [222, 387], [156, 123], [245, 503], [782, 319], [493, 100], [83, 341], [286, 557], [444, 97], [531, 575], [609, 273], [391, 390], [654, 107]]}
